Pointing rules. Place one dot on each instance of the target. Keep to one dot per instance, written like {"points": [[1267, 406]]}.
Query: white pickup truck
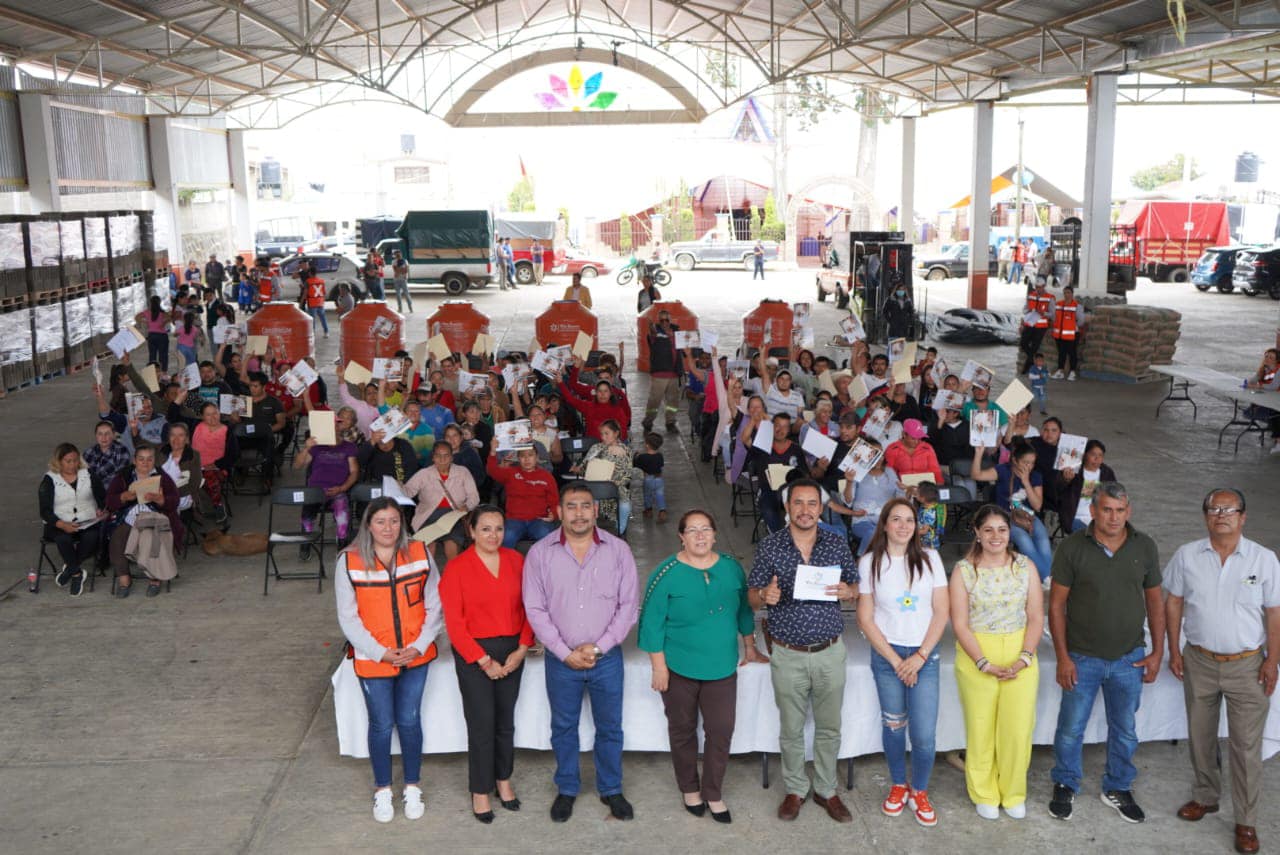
{"points": [[716, 247]]}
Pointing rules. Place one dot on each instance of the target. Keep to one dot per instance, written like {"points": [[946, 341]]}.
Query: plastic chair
{"points": [[606, 491], [294, 497]]}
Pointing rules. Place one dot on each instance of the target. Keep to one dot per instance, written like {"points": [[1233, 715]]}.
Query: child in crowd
{"points": [[931, 516], [1038, 374], [245, 294], [650, 463]]}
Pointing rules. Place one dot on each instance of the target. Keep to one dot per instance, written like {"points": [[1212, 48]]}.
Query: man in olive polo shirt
{"points": [[1106, 579]]}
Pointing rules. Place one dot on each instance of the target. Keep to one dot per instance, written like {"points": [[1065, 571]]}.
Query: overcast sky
{"points": [[601, 171]]}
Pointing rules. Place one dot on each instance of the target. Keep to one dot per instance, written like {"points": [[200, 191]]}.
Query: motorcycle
{"points": [[627, 274]]}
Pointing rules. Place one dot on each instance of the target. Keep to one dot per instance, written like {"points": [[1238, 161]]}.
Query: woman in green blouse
{"points": [[695, 607]]}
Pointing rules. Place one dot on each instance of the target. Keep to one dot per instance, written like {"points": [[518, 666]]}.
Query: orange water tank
{"points": [[287, 328], [684, 320], [371, 330], [774, 315], [459, 321], [563, 320]]}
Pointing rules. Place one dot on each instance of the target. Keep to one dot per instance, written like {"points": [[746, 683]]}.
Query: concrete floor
{"points": [[202, 721]]}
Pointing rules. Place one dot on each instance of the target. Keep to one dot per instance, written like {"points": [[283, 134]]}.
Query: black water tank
{"points": [[1247, 167]]}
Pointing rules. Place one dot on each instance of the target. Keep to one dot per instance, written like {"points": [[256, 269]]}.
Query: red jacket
{"points": [[588, 390], [530, 495], [594, 412], [904, 462]]}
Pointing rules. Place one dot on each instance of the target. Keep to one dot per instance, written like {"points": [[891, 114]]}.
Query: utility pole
{"points": [[1017, 222]]}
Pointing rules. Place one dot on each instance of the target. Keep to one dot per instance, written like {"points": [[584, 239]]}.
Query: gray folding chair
{"points": [[295, 497]]}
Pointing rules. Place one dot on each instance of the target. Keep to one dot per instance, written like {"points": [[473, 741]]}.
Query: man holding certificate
{"points": [[801, 574]]}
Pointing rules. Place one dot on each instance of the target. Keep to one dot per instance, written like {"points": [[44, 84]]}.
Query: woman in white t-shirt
{"points": [[903, 612]]}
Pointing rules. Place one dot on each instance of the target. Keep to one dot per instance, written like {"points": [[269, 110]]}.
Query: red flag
{"points": [[523, 174]]}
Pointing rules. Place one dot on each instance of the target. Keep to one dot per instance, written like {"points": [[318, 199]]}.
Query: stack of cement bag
{"points": [[1122, 342]]}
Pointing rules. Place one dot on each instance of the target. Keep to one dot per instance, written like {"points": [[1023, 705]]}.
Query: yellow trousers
{"points": [[999, 717]]}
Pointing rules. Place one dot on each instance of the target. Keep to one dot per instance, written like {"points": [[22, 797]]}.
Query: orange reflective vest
{"points": [[264, 289], [392, 609], [315, 292], [1064, 321], [1041, 306]]}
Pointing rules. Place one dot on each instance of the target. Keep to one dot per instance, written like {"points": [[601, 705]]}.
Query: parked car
{"points": [[716, 247], [334, 268], [1258, 272], [575, 261], [952, 262], [1215, 267], [280, 246]]}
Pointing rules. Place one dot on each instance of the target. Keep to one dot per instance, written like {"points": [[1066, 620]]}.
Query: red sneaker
{"points": [[925, 814], [896, 800]]}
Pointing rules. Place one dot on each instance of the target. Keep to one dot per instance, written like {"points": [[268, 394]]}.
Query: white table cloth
{"points": [[1161, 716]]}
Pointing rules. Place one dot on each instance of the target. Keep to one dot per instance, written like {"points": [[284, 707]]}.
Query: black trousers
{"points": [[1067, 355], [489, 707], [1030, 345], [76, 548]]}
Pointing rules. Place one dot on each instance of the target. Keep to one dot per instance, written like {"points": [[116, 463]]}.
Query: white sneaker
{"points": [[383, 809], [1057, 375], [988, 811], [413, 807], [1071, 376], [1017, 811]]}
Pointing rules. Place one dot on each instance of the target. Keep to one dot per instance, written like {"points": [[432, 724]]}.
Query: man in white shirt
{"points": [[1224, 596]]}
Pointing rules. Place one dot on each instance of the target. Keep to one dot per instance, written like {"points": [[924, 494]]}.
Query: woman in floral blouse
{"points": [[613, 449]]}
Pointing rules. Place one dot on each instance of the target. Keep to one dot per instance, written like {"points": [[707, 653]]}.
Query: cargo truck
{"points": [[1166, 239], [449, 248]]}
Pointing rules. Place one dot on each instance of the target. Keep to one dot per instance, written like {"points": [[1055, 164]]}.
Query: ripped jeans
{"points": [[908, 711]]}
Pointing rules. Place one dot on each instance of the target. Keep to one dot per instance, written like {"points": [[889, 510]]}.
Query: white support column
{"points": [[39, 151], [907, 195], [980, 204], [1099, 160], [160, 137], [241, 224]]}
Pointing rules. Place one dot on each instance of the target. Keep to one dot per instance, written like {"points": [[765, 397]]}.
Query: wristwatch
{"points": [[596, 651]]}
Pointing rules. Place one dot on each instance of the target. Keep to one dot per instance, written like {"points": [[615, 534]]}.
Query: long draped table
{"points": [[1161, 716]]}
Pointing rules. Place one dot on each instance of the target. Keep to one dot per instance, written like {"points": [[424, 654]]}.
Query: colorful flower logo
{"points": [[906, 602], [576, 93]]}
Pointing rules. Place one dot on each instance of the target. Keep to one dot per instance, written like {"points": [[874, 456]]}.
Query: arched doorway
{"points": [[825, 205]]}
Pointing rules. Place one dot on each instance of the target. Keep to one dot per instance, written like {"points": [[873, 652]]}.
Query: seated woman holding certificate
{"points": [[332, 467], [441, 489], [71, 500], [611, 449]]}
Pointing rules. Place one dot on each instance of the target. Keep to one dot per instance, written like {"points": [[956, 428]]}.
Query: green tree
{"points": [[521, 196], [624, 233], [1171, 170], [771, 227], [757, 223]]}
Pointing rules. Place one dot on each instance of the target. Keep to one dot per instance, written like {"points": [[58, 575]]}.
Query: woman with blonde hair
{"points": [[997, 614]]}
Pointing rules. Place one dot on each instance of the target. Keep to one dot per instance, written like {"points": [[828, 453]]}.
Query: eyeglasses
{"points": [[699, 532], [1222, 512]]}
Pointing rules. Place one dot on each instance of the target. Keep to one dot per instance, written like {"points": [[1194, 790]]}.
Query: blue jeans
{"points": [[759, 268], [1035, 545], [395, 701], [914, 711], [317, 312], [374, 287], [402, 293], [518, 530], [603, 684], [188, 354], [655, 492], [1015, 271], [1121, 685], [863, 528], [158, 349]]}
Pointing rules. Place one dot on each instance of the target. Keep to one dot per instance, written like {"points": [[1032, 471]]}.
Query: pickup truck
{"points": [[715, 247], [282, 246], [449, 248]]}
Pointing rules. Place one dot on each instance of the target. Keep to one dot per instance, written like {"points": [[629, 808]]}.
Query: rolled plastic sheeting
{"points": [[95, 237], [15, 337], [71, 236], [78, 326]]}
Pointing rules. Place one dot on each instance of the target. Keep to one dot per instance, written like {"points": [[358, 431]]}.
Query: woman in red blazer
{"points": [[490, 635]]}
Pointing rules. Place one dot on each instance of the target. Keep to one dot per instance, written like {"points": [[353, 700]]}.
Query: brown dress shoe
{"points": [[1246, 839], [790, 807], [1193, 811], [835, 808]]}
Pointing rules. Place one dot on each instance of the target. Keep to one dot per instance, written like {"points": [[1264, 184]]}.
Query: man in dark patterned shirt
{"points": [[808, 662]]}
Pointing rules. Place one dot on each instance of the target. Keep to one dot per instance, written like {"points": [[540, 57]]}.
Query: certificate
{"points": [[818, 444], [812, 582]]}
